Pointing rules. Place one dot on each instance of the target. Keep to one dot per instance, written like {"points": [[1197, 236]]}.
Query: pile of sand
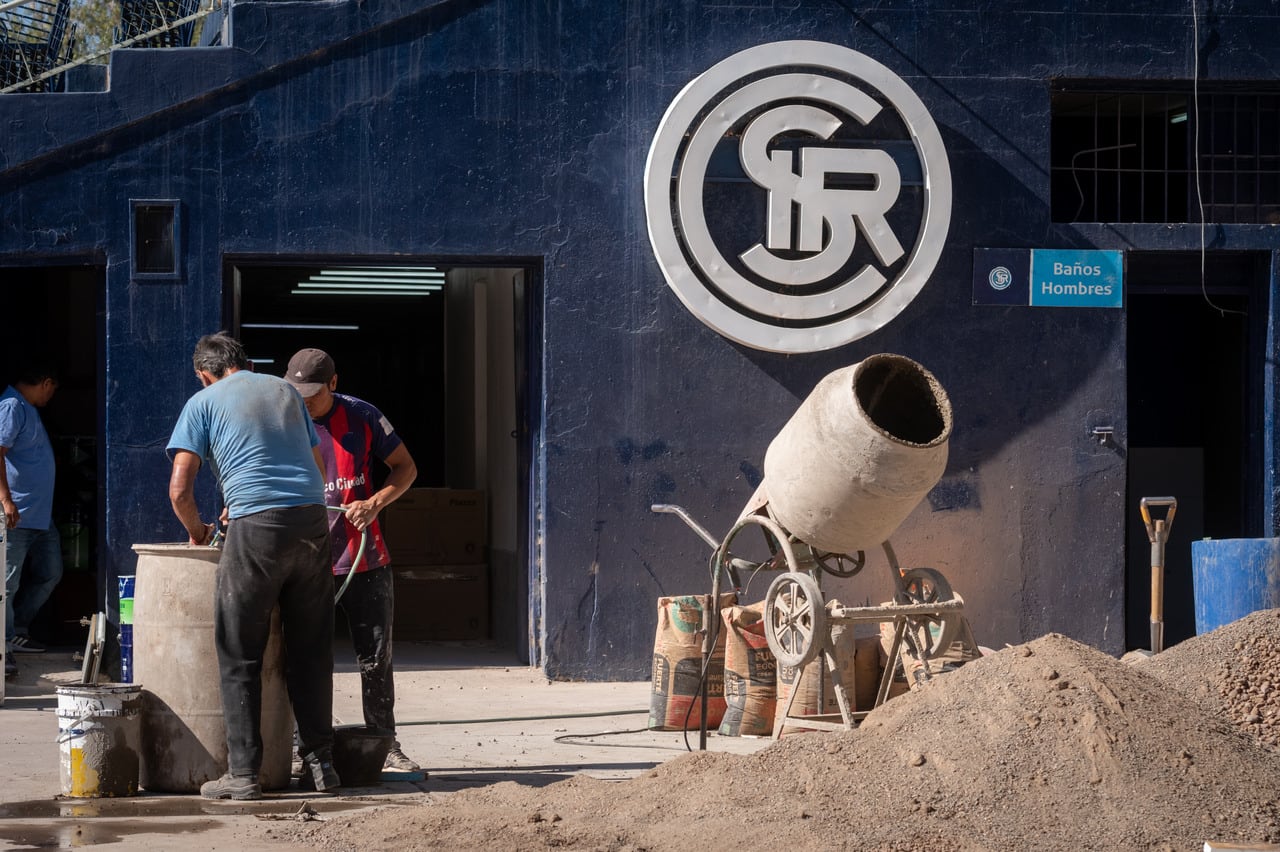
{"points": [[1237, 666], [1049, 745]]}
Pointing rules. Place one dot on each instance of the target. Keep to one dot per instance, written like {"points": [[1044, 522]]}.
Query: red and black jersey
{"points": [[352, 435]]}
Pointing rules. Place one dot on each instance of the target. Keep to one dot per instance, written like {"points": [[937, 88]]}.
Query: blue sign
{"points": [[1048, 278], [1001, 276], [1077, 279]]}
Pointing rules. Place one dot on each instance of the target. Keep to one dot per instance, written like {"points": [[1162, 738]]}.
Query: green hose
{"points": [[364, 543]]}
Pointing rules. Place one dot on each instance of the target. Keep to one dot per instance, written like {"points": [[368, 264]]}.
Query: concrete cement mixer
{"points": [[858, 455]]}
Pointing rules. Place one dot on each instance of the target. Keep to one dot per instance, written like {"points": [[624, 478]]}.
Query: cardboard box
{"points": [[442, 602], [436, 526]]}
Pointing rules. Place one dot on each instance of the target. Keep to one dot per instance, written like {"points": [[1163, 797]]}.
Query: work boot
{"points": [[319, 771], [399, 761], [232, 787]]}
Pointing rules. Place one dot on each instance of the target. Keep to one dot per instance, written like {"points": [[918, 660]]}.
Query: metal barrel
{"points": [[859, 454]]}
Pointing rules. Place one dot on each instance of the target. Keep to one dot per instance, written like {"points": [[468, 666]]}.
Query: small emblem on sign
{"points": [[1000, 278]]}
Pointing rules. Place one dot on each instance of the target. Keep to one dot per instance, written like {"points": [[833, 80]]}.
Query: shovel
{"points": [[1158, 534]]}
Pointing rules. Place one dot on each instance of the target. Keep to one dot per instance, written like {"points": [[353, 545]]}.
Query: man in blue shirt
{"points": [[262, 447], [26, 498]]}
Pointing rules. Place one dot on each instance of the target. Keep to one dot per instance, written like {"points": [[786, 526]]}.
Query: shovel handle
{"points": [[1145, 505]]}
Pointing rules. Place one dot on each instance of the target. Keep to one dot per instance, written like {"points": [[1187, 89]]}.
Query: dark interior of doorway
{"points": [[57, 311], [1194, 370], [387, 349], [451, 371]]}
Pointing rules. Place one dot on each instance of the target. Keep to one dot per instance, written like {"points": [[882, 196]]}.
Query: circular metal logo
{"points": [[783, 188], [1000, 278]]}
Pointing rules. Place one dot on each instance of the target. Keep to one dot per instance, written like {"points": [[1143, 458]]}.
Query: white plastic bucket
{"points": [[99, 739]]}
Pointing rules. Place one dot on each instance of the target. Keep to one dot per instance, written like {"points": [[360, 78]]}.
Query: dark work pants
{"points": [[277, 557], [368, 604]]}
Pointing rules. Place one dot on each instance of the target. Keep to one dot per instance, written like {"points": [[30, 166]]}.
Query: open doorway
{"points": [[1195, 416], [445, 351], [58, 314]]}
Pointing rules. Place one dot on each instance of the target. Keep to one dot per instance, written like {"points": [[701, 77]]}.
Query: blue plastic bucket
{"points": [[1233, 577]]}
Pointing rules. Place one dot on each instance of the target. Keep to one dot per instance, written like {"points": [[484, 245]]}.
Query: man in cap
{"points": [[352, 434], [261, 445]]}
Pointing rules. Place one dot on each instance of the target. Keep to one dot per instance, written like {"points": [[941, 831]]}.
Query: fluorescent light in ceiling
{"points": [[361, 285], [357, 291], [372, 281], [300, 326]]}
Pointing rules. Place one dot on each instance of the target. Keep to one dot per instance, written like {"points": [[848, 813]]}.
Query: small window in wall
{"points": [[155, 241], [1162, 155]]}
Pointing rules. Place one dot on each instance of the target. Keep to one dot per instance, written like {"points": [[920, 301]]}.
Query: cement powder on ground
{"points": [[1050, 745]]}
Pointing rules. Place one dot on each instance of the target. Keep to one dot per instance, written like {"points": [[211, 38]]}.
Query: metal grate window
{"points": [[1130, 156]]}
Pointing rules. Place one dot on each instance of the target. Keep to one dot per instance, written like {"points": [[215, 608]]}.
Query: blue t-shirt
{"points": [[255, 432], [28, 460]]}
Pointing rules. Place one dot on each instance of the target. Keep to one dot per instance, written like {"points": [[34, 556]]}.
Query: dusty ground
{"points": [[1049, 745]]}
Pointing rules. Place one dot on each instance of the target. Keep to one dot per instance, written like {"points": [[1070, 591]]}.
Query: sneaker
{"points": [[25, 645], [324, 778], [10, 665], [238, 787], [398, 760]]}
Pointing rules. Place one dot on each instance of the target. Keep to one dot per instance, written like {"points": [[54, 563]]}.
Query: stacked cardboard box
{"points": [[438, 538]]}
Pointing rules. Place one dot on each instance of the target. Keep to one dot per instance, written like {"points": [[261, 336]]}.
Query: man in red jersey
{"points": [[352, 434]]}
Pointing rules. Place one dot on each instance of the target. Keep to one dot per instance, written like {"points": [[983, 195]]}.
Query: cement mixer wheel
{"points": [[840, 564], [935, 634], [795, 619]]}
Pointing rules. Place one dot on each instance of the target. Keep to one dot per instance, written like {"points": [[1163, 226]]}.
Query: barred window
{"points": [[1129, 156]]}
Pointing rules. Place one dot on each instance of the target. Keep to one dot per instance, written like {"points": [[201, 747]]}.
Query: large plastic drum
{"points": [[1233, 577], [184, 735]]}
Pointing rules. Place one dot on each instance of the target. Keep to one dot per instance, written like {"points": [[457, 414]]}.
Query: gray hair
{"points": [[217, 353]]}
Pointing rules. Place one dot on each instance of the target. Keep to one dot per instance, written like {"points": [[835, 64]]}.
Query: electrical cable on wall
{"points": [[1195, 110]]}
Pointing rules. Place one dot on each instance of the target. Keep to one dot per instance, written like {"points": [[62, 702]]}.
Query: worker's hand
{"points": [[202, 534], [11, 513], [361, 513]]}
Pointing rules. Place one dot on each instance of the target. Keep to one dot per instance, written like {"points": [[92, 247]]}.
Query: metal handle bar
{"points": [[672, 509]]}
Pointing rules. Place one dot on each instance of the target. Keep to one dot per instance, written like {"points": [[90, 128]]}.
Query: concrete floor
{"points": [[468, 712]]}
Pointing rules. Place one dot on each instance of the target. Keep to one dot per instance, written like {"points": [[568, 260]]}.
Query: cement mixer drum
{"points": [[859, 454]]}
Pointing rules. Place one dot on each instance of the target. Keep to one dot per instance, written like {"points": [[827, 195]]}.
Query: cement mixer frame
{"points": [[926, 612]]}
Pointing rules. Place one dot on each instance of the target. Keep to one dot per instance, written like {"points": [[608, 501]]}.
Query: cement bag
{"points": [[859, 453], [675, 702], [815, 693], [750, 673]]}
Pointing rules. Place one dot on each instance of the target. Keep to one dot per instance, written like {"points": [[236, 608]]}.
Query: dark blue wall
{"points": [[519, 128]]}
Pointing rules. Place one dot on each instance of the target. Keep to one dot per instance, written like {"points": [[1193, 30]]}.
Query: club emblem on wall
{"points": [[798, 196]]}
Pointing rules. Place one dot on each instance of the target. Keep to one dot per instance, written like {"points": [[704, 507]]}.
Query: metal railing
{"points": [[37, 39]]}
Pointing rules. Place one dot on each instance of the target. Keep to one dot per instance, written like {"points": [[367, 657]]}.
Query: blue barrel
{"points": [[126, 629], [1233, 577]]}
